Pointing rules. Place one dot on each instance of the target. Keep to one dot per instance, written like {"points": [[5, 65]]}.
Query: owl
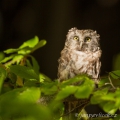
{"points": [[80, 55]]}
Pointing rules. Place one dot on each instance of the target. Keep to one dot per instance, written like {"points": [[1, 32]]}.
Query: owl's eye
{"points": [[87, 39], [76, 38]]}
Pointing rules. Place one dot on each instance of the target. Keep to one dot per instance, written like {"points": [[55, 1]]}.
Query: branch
{"points": [[84, 104]]}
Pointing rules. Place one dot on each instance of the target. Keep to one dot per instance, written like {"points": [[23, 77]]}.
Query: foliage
{"points": [[27, 94]]}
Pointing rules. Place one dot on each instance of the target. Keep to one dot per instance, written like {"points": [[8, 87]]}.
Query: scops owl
{"points": [[81, 54]]}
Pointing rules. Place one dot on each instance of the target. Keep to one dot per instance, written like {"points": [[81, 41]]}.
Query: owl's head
{"points": [[82, 40]]}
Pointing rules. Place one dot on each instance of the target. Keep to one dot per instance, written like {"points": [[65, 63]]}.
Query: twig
{"points": [[111, 82], [76, 108]]}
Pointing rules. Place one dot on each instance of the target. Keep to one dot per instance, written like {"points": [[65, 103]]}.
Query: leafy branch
{"points": [[28, 94]]}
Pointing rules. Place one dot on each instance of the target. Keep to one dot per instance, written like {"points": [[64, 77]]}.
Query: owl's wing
{"points": [[63, 68], [96, 71], [98, 66]]}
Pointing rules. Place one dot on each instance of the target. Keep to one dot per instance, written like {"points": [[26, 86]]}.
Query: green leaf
{"points": [[65, 92], [49, 88], [7, 58], [39, 45], [44, 78], [117, 97], [77, 79], [103, 81], [115, 74], [25, 51], [83, 92], [3, 75], [30, 43], [24, 72], [20, 95], [22, 103], [96, 97], [57, 107], [2, 56], [85, 89], [28, 63], [12, 77], [109, 107], [108, 97], [109, 101], [11, 50], [35, 64], [17, 58]]}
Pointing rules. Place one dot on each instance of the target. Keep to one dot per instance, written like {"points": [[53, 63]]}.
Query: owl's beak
{"points": [[81, 43]]}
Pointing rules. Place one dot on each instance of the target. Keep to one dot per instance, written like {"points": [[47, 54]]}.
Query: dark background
{"points": [[21, 20]]}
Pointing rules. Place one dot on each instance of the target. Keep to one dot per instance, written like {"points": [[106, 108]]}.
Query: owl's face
{"points": [[82, 40]]}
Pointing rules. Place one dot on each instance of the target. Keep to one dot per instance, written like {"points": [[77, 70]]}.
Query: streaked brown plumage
{"points": [[81, 54]]}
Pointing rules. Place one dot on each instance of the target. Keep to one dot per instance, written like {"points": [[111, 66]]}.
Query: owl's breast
{"points": [[83, 61], [79, 61]]}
